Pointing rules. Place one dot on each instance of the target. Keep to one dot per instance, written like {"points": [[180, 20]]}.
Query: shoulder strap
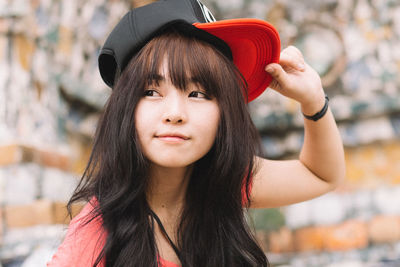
{"points": [[165, 233]]}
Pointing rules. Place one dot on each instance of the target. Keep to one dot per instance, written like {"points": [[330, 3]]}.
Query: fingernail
{"points": [[269, 69], [301, 66]]}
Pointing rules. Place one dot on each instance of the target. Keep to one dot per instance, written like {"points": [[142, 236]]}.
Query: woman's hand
{"points": [[297, 80], [320, 167]]}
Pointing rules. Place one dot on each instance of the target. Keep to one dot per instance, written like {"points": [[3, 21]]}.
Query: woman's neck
{"points": [[166, 196], [167, 189]]}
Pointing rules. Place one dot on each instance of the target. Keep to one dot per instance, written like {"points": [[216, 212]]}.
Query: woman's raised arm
{"points": [[320, 167]]}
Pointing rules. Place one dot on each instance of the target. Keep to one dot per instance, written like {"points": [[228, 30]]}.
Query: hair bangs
{"points": [[187, 60]]}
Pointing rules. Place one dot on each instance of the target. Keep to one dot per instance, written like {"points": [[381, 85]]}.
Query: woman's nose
{"points": [[175, 110], [174, 120]]}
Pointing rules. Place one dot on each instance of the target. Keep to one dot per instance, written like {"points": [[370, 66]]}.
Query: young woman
{"points": [[175, 157]]}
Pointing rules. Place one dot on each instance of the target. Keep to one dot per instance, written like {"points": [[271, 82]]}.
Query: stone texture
{"points": [[361, 174], [53, 233], [262, 239], [19, 243], [83, 155], [9, 154], [349, 235], [39, 257], [61, 213], [309, 239], [28, 154], [385, 199], [1, 225], [38, 212], [139, 3], [3, 174], [22, 183], [57, 185], [49, 157], [384, 229], [348, 263], [328, 209], [361, 204], [281, 241], [54, 159], [298, 215]]}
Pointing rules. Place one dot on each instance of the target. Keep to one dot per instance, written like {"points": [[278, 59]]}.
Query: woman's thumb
{"points": [[277, 72]]}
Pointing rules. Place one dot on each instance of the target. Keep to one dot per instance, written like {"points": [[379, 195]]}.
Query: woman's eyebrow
{"points": [[155, 78], [194, 80]]}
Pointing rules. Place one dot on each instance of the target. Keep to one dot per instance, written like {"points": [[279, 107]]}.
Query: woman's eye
{"points": [[151, 93], [198, 94]]}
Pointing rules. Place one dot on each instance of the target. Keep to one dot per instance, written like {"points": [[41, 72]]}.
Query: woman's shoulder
{"points": [[87, 213], [83, 242], [85, 222]]}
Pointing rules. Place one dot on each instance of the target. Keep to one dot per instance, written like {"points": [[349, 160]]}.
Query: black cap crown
{"points": [[140, 25]]}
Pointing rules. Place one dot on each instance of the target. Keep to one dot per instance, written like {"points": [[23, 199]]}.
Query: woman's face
{"points": [[176, 127]]}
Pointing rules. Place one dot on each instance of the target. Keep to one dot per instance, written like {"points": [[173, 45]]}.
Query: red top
{"points": [[83, 244]]}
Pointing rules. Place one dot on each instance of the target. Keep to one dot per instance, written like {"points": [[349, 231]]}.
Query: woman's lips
{"points": [[172, 138]]}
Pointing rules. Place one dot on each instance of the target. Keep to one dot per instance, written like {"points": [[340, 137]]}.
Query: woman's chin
{"points": [[173, 164]]}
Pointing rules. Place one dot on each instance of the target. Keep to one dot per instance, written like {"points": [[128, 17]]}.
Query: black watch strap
{"points": [[320, 113]]}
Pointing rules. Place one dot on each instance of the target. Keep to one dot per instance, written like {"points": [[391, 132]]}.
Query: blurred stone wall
{"points": [[51, 94], [352, 44]]}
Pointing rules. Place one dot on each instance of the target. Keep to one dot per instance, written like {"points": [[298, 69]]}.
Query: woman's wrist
{"points": [[316, 109], [320, 113], [315, 106]]}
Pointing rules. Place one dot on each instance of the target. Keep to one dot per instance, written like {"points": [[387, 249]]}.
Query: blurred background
{"points": [[51, 95]]}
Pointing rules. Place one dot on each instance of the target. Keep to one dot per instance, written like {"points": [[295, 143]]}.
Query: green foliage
{"points": [[266, 219]]}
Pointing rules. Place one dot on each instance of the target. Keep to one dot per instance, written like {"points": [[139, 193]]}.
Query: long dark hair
{"points": [[213, 231]]}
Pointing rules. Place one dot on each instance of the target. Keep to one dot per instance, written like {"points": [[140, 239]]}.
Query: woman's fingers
{"points": [[294, 78], [291, 57], [278, 73], [294, 50], [290, 71]]}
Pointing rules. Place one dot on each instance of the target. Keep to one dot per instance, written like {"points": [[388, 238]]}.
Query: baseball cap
{"points": [[250, 43]]}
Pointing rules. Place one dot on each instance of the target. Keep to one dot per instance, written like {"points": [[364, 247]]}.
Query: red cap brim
{"points": [[254, 44]]}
